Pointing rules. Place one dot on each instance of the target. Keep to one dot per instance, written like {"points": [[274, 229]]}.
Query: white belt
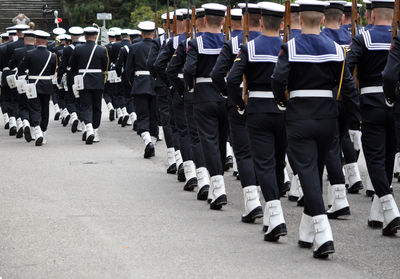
{"points": [[68, 68], [89, 71], [313, 93], [371, 89], [6, 69], [142, 73], [180, 75], [41, 77], [203, 80], [261, 94]]}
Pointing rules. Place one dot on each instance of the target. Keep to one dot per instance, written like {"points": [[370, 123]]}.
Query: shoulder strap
{"points": [[72, 46], [126, 48], [90, 59], [341, 76], [44, 68]]}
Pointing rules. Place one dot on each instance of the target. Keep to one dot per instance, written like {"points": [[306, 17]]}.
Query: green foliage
{"points": [[140, 14]]}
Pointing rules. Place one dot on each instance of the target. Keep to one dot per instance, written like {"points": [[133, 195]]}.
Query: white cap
{"points": [[75, 31], [382, 4], [312, 5], [214, 9], [136, 32], [251, 8], [21, 27], [125, 31], [12, 32], [90, 30], [41, 34], [67, 37], [61, 37], [146, 26], [236, 14], [271, 9], [116, 30], [161, 31], [171, 16], [350, 4], [4, 35], [111, 34], [28, 33], [58, 31], [82, 39]]}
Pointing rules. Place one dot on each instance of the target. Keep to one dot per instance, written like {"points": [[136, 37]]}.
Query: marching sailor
{"points": [[109, 96], [89, 62], [310, 66], [41, 66]]}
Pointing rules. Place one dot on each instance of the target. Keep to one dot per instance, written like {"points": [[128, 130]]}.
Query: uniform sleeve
{"points": [[190, 68], [13, 61], [235, 78], [152, 58], [53, 64], [24, 64], [130, 66], [105, 62], [280, 77], [175, 66], [391, 73], [221, 67], [62, 68], [355, 52], [120, 61], [162, 60], [74, 62]]}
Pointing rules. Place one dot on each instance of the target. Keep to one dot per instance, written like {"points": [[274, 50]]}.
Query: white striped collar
{"points": [[235, 45], [207, 51], [253, 57], [374, 46]]}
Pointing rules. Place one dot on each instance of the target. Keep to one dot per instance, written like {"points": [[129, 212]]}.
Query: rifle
{"points": [[174, 21], [156, 19], [227, 26], [286, 30], [396, 19], [188, 19], [354, 19], [245, 95], [168, 21], [193, 32]]}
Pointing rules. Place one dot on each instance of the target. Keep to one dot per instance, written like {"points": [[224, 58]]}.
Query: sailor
{"points": [[56, 32], [4, 38], [109, 96], [41, 66], [70, 112], [237, 121], [378, 130], [23, 111], [368, 11], [183, 154], [310, 66], [164, 100], [143, 88], [175, 75], [209, 104], [346, 22], [8, 86], [90, 63], [337, 200], [136, 34], [295, 28], [264, 121], [124, 96]]}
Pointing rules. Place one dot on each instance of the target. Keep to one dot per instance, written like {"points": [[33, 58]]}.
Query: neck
{"points": [[310, 30], [29, 44], [332, 25], [253, 28], [41, 45], [383, 22], [270, 33], [212, 29]]}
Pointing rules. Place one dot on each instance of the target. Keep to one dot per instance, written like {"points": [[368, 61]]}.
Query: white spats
{"points": [[119, 113], [171, 156], [276, 221], [190, 169], [203, 178], [340, 205], [13, 122], [229, 150], [294, 192], [251, 204], [56, 108], [330, 195], [160, 133], [396, 168], [390, 212], [286, 176], [146, 138], [19, 124], [219, 193], [352, 173], [178, 158], [6, 118], [323, 238], [110, 106], [306, 231], [26, 123], [375, 219], [38, 134], [96, 136]]}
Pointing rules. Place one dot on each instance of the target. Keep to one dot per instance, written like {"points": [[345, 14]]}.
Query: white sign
{"points": [[104, 16]]}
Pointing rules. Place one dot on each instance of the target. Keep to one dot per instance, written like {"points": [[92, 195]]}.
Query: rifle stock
{"points": [[227, 26], [168, 21], [245, 95], [396, 19], [193, 32], [286, 30], [354, 19]]}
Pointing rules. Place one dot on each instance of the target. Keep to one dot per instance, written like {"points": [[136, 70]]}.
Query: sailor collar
{"points": [[377, 39], [210, 43], [257, 52]]}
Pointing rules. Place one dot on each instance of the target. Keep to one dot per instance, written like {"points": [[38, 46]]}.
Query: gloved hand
{"points": [[355, 137]]}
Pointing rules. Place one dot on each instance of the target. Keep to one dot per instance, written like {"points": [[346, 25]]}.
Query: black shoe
{"points": [[7, 126], [300, 202], [285, 188], [190, 184], [338, 213], [89, 139], [20, 133], [149, 150], [112, 115], [219, 202], [355, 188], [369, 193], [373, 224], [253, 215], [228, 163], [392, 227], [172, 169], [84, 136], [292, 198], [27, 134], [66, 120], [276, 233], [57, 116], [74, 126], [39, 141], [238, 177], [124, 120], [120, 120], [12, 131], [235, 173], [203, 193], [134, 126], [181, 173], [396, 174], [304, 244], [158, 138], [324, 250]]}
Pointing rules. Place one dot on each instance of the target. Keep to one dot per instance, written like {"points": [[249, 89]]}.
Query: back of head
{"points": [[311, 18], [333, 16]]}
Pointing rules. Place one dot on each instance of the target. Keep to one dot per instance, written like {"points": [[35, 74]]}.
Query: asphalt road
{"points": [[68, 210]]}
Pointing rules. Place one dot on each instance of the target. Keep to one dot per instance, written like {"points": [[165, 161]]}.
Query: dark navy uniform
{"points": [[237, 122], [34, 61], [310, 66], [265, 122], [94, 79]]}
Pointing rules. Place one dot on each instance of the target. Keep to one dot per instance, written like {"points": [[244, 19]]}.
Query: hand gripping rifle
{"points": [[227, 26], [193, 32], [245, 95], [286, 30]]}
